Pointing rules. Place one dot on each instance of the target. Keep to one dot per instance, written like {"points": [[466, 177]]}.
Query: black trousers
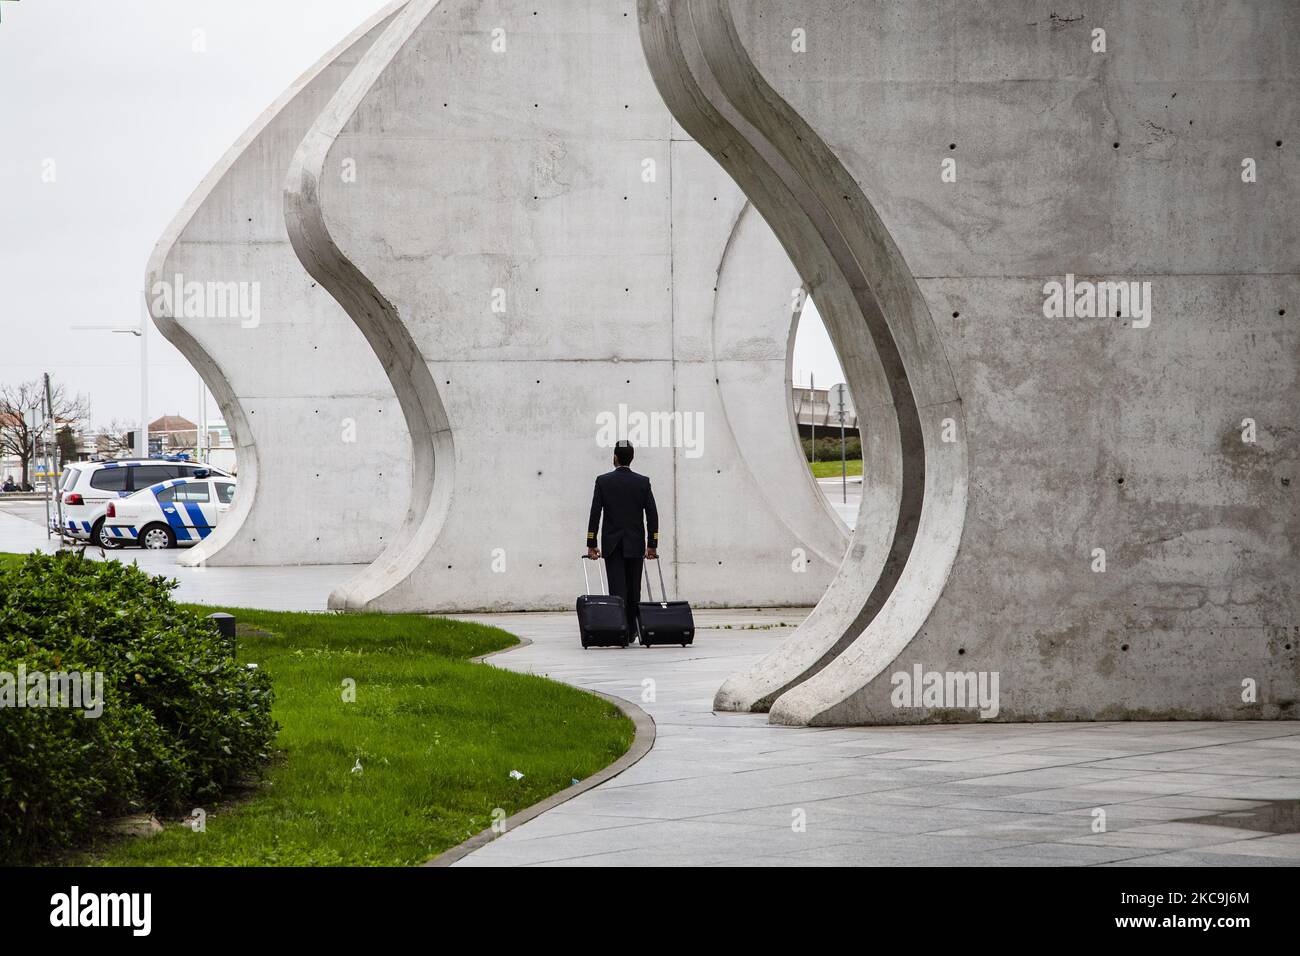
{"points": [[624, 573]]}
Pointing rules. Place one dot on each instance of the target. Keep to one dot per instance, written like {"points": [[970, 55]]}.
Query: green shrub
{"points": [[181, 720], [828, 449]]}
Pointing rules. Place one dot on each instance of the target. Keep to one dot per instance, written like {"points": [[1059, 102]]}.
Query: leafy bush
{"points": [[828, 449], [181, 720]]}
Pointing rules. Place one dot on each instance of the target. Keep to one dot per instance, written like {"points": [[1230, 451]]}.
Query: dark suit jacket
{"points": [[623, 496]]}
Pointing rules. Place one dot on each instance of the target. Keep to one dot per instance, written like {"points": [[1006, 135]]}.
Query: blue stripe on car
{"points": [[200, 523], [177, 525]]}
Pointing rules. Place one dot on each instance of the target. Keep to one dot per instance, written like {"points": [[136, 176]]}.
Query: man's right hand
{"points": [[593, 553]]}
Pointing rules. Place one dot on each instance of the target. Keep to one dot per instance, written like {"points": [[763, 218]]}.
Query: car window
{"points": [[69, 479], [109, 479], [143, 476], [193, 491], [165, 496], [225, 492]]}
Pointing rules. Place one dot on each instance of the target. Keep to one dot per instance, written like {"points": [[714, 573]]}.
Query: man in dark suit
{"points": [[624, 496]]}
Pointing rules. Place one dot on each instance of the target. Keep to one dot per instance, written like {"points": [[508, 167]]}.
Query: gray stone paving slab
{"points": [[720, 790]]}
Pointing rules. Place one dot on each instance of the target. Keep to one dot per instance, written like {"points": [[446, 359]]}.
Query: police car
{"points": [[87, 487], [170, 514]]}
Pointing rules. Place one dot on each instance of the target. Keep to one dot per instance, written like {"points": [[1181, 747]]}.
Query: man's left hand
{"points": [[651, 554]]}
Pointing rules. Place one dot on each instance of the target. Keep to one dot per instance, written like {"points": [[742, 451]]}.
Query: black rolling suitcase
{"points": [[664, 622], [602, 618]]}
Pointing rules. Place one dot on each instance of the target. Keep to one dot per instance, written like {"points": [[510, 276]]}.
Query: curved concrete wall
{"points": [[1125, 553], [324, 457], [570, 254], [875, 316]]}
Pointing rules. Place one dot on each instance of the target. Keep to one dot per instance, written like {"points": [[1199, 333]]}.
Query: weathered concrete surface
{"points": [[571, 254], [324, 458], [1081, 433], [876, 317]]}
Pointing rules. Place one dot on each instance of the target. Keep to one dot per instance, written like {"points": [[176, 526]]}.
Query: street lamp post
{"points": [[842, 404], [142, 332]]}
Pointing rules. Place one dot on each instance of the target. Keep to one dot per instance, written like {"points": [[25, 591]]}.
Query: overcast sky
{"points": [[114, 95]]}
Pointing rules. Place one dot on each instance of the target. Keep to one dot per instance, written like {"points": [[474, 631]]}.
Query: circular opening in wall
{"points": [[961, 651], [1114, 145], [1281, 311], [1123, 647], [956, 315], [1119, 481], [1279, 142], [952, 145]]}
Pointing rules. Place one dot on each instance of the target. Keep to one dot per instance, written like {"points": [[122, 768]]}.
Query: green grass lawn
{"points": [[436, 737], [831, 469]]}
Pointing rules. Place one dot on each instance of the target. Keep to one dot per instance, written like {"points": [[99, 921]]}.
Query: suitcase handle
{"points": [[600, 565], [663, 591]]}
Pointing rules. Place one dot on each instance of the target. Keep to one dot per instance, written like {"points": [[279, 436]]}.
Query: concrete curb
{"points": [[523, 642], [642, 742]]}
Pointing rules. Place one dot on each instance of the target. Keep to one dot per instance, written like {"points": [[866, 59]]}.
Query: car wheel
{"points": [[99, 534], [157, 537]]}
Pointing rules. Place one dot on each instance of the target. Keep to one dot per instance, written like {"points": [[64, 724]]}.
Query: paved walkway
{"points": [[726, 789], [22, 529]]}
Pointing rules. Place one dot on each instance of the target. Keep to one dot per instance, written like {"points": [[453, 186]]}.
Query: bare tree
{"points": [[16, 437], [114, 440]]}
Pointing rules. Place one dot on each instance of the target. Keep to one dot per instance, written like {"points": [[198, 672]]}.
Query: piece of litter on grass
{"points": [[357, 767], [574, 782], [516, 775]]}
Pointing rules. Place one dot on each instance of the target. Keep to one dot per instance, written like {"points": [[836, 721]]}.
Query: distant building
{"points": [[176, 434], [812, 408]]}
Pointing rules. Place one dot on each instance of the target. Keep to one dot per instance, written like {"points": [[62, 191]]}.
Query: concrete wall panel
{"points": [[518, 254], [1081, 433], [324, 458]]}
